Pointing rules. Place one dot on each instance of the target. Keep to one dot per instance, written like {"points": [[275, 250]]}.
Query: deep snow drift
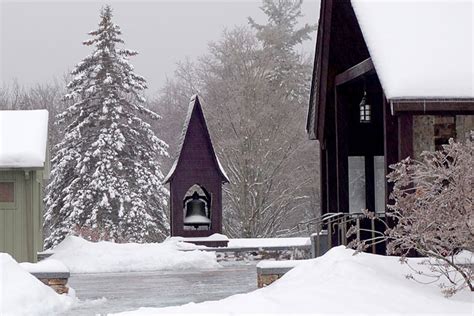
{"points": [[338, 282], [23, 294], [81, 256]]}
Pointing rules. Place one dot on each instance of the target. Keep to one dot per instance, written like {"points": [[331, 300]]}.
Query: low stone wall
{"points": [[57, 281], [262, 253], [267, 279], [266, 276]]}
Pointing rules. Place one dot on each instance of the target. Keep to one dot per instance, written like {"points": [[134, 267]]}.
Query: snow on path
{"points": [[117, 292], [81, 256], [337, 282]]}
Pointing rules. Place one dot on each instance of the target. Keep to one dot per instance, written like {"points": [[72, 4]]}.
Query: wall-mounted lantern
{"points": [[365, 109]]}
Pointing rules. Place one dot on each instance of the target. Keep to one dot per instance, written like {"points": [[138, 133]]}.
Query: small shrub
{"points": [[433, 214]]}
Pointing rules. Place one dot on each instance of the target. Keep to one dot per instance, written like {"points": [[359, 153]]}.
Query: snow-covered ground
{"points": [[338, 282], [81, 256], [23, 294]]}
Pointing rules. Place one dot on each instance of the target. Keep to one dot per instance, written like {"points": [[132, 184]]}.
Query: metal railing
{"points": [[336, 225]]}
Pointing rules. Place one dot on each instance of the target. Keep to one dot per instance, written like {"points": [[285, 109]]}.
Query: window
{"points": [[7, 195], [379, 183], [357, 201], [7, 192]]}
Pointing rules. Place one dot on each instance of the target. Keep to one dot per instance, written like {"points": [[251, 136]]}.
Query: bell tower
{"points": [[196, 180]]}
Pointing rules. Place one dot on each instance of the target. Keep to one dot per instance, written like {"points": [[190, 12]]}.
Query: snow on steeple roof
{"points": [[420, 49], [194, 103], [23, 138]]}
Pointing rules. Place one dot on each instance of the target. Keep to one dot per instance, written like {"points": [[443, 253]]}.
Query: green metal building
{"points": [[24, 167]]}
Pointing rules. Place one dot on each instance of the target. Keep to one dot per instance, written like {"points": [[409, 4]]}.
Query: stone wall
{"points": [[426, 128], [423, 132], [272, 253], [56, 280], [267, 279], [464, 126], [57, 284]]}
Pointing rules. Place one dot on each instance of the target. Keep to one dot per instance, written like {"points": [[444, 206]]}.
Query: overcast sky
{"points": [[42, 40]]}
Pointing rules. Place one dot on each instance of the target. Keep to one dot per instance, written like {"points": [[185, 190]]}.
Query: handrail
{"points": [[337, 227]]}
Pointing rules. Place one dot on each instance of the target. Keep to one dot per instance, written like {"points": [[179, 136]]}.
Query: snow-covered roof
{"points": [[192, 104], [23, 138], [420, 49]]}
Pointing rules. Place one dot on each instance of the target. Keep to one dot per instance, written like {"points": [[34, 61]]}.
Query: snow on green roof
{"points": [[23, 138]]}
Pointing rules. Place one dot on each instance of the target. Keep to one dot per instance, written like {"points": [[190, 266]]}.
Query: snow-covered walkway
{"points": [[131, 290]]}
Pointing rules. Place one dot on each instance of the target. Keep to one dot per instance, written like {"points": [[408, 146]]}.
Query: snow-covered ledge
{"points": [[51, 272], [215, 240]]}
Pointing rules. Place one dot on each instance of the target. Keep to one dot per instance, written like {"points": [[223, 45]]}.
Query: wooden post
{"points": [[405, 136], [342, 150], [390, 127]]}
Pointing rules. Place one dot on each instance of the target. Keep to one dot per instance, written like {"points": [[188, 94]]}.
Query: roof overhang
{"points": [[464, 106]]}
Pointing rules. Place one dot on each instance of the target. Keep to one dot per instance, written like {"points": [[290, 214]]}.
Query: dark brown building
{"points": [[390, 79], [196, 180]]}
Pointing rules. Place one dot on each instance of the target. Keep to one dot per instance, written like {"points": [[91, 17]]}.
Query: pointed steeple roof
{"points": [[195, 111]]}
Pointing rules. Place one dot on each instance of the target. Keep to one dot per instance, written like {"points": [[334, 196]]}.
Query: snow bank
{"points": [[82, 256], [420, 48], [23, 294], [337, 282], [268, 242], [23, 138]]}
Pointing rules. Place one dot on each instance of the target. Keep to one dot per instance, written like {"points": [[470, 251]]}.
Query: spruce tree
{"points": [[106, 177], [279, 38]]}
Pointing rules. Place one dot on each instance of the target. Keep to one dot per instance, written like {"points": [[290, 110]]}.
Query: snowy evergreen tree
{"points": [[106, 177], [279, 38]]}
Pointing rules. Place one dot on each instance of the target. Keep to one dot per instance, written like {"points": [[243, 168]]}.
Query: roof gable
{"points": [[23, 138], [339, 46], [421, 50], [195, 123]]}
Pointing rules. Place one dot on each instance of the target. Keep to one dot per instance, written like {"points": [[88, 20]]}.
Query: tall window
{"points": [[357, 201]]}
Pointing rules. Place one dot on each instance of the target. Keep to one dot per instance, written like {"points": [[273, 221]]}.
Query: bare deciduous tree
{"points": [[256, 122]]}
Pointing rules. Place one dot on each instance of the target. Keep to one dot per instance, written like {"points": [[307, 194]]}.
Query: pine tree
{"points": [[279, 38], [106, 177]]}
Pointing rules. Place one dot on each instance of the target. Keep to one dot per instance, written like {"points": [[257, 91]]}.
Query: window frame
{"points": [[10, 205]]}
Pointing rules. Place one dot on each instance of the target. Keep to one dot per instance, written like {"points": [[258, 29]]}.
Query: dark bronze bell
{"points": [[196, 212]]}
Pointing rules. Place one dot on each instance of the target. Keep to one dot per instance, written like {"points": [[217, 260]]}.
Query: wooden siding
{"points": [[21, 225]]}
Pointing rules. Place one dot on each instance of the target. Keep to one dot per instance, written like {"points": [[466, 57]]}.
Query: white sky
{"points": [[43, 40]]}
